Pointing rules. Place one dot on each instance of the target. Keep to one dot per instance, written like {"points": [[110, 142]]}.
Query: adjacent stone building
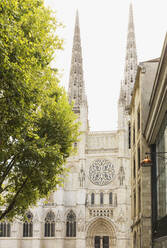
{"points": [[155, 133], [141, 175], [93, 208], [148, 127]]}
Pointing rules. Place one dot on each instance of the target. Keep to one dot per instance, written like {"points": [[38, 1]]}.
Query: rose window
{"points": [[101, 172]]}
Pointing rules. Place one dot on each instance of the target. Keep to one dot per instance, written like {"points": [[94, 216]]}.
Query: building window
{"points": [[138, 120], [71, 224], [101, 198], [138, 155], [110, 198], [134, 169], [28, 225], [134, 198], [50, 225], [92, 199], [161, 162], [139, 199], [4, 229], [133, 134], [129, 135]]}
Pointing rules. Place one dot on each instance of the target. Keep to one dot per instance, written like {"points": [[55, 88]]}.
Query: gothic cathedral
{"points": [[92, 209]]}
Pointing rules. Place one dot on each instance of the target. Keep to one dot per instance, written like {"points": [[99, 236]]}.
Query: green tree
{"points": [[37, 125]]}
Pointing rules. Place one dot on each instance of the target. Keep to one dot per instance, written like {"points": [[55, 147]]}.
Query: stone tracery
{"points": [[101, 172]]}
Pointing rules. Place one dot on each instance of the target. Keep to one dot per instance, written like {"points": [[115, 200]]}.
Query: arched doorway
{"points": [[101, 234]]}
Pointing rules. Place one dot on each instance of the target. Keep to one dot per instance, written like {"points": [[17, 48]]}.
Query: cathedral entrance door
{"points": [[101, 234], [106, 242], [101, 242], [97, 241]]}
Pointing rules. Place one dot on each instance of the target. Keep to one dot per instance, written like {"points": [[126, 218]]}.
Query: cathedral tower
{"points": [[130, 69], [130, 64], [124, 128], [76, 91]]}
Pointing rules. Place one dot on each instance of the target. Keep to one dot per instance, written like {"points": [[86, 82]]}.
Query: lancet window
{"points": [[101, 198], [92, 199], [110, 198], [71, 224], [28, 225], [4, 229], [50, 224]]}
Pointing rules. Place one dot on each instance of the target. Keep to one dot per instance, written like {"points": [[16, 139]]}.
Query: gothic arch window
{"points": [[110, 198], [92, 199], [101, 198], [71, 224], [28, 225], [4, 229], [50, 224]]}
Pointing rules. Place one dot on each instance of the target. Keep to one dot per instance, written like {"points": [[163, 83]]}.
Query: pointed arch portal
{"points": [[101, 234]]}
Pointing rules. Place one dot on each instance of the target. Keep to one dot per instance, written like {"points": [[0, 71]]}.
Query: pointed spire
{"points": [[131, 16], [131, 59], [76, 90]]}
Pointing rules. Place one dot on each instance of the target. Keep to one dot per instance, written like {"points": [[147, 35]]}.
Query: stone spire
{"points": [[76, 91], [130, 60]]}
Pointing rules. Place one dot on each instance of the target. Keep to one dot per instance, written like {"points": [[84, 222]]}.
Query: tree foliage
{"points": [[37, 125]]}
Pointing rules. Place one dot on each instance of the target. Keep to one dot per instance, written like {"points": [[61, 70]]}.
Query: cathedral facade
{"points": [[93, 208]]}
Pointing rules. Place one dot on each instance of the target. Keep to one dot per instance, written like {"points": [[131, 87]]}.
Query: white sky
{"points": [[103, 27]]}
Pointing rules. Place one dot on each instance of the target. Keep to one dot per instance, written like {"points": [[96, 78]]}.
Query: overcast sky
{"points": [[103, 26]]}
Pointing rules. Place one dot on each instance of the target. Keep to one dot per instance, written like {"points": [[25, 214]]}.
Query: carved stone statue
{"points": [[121, 175], [82, 177]]}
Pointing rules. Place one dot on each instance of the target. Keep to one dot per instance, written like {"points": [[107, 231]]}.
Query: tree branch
{"points": [[3, 189], [9, 208], [8, 168]]}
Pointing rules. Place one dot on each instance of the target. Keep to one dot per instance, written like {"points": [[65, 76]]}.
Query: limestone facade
{"points": [[141, 175], [156, 138], [93, 208]]}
